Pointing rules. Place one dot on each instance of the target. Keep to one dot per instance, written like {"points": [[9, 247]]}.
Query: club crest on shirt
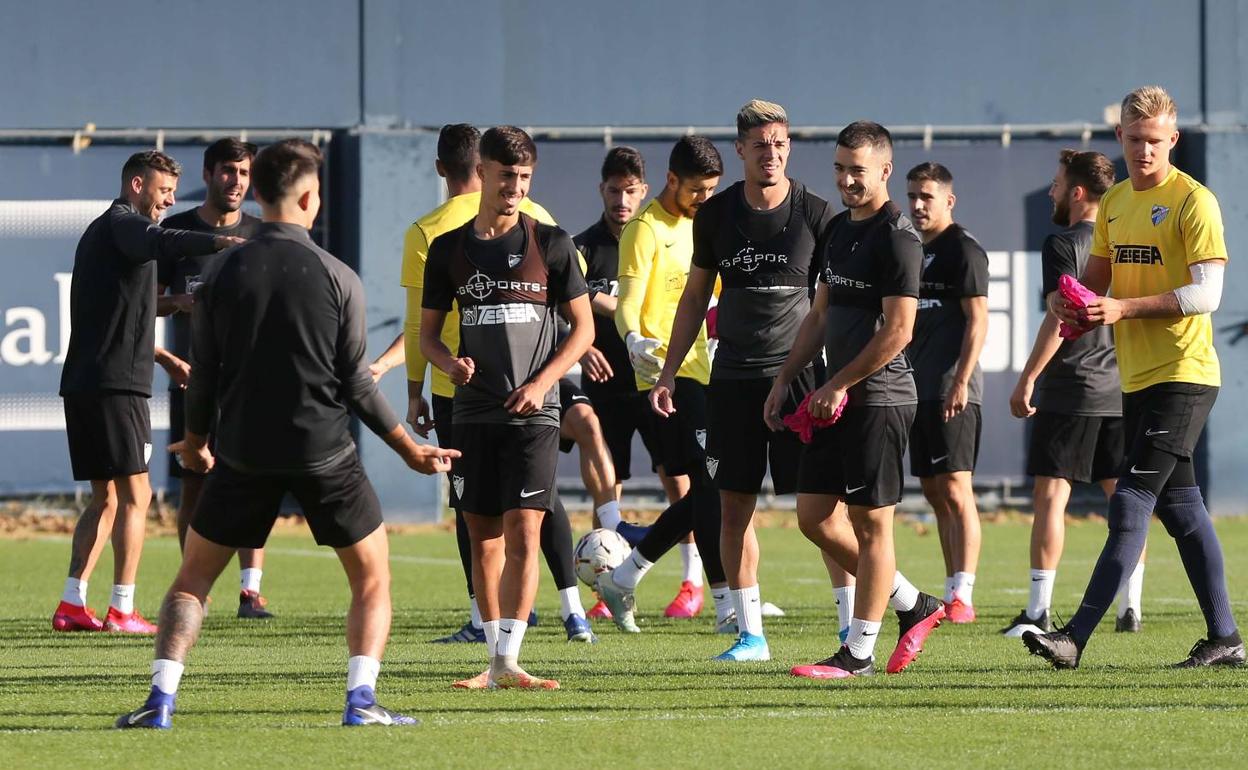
{"points": [[928, 257], [1159, 214], [514, 259]]}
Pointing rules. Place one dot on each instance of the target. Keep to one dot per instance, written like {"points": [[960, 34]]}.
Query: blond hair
{"points": [[1147, 102], [757, 112]]}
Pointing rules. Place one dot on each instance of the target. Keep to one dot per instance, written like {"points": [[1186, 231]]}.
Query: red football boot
{"points": [[133, 623], [688, 602], [71, 617]]}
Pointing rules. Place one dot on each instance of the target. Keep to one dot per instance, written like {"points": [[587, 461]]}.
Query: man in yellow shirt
{"points": [[656, 249], [1158, 250]]}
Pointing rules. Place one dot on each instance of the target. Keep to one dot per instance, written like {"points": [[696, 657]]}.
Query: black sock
{"points": [[1183, 512], [557, 544], [668, 530], [1130, 510], [465, 549]]}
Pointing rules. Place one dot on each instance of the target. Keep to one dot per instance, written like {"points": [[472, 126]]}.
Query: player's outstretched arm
{"points": [[141, 240], [423, 458]]}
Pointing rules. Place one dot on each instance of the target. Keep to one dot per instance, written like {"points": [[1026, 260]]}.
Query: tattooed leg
{"points": [[182, 612]]}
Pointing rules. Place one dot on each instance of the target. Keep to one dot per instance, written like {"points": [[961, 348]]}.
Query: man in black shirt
{"points": [[227, 177], [1071, 390], [107, 381], [278, 358], [760, 237], [863, 314], [508, 275], [949, 334]]}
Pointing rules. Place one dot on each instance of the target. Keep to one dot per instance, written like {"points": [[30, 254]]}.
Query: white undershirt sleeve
{"points": [[1204, 293]]}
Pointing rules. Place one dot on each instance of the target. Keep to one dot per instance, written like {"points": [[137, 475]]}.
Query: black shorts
{"points": [[1169, 416], [620, 417], [570, 394], [1075, 447], [238, 509], [680, 439], [109, 433], [504, 467], [740, 447], [939, 447], [860, 457]]}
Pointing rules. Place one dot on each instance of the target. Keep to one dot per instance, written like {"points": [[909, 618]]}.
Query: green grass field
{"points": [[270, 693]]}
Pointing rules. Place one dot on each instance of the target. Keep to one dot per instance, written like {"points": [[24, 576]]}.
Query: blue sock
{"points": [[1187, 520], [1129, 512], [361, 697]]}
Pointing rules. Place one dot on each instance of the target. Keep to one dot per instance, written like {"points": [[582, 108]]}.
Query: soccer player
{"points": [[759, 237], [607, 374], [656, 249], [107, 381], [508, 275], [457, 163], [1158, 249], [227, 177], [1071, 390], [863, 315], [949, 333], [283, 428]]}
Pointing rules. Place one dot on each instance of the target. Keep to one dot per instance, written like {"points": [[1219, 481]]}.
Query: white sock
{"points": [[249, 579], [693, 563], [122, 599], [722, 597], [166, 674], [749, 610], [490, 627], [949, 584], [362, 672], [630, 573], [609, 514], [476, 612], [75, 592], [510, 635], [964, 586], [1131, 592], [570, 602], [862, 636], [1041, 596], [903, 597], [844, 606]]}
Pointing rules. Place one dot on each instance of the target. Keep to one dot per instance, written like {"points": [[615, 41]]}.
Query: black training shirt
{"points": [[601, 251], [508, 290], [1082, 377], [278, 348], [112, 300], [865, 262], [182, 275], [764, 259], [955, 267]]}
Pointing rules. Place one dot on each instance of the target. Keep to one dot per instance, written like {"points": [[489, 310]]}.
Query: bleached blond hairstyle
{"points": [[757, 112], [1147, 102]]}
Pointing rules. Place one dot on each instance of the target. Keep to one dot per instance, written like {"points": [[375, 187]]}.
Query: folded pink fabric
{"points": [[712, 323], [803, 424], [1078, 295]]}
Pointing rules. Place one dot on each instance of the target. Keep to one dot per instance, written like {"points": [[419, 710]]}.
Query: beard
{"points": [[221, 203], [1061, 213]]}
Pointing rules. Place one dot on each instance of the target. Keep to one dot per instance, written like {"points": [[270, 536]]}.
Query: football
{"points": [[599, 551]]}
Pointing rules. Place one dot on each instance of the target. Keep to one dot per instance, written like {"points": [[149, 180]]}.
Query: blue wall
{"points": [[338, 63]]}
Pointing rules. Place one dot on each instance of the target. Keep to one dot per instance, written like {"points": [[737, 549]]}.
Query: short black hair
{"points": [[623, 161], [508, 145], [278, 167], [927, 171], [695, 157], [862, 133], [457, 149], [227, 150], [141, 163]]}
